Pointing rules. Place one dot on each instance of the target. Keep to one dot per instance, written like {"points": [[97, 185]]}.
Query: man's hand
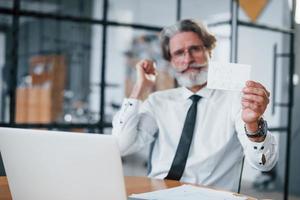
{"points": [[254, 103], [146, 77]]}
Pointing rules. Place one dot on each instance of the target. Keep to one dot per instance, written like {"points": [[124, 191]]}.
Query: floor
{"points": [[135, 165]]}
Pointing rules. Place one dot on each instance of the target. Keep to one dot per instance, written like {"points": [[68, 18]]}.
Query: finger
{"points": [[254, 84], [149, 67], [260, 100], [142, 66], [256, 91], [140, 69], [252, 106], [140, 72]]}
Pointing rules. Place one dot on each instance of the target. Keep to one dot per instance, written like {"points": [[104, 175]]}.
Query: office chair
{"points": [[2, 171], [149, 164], [241, 174]]}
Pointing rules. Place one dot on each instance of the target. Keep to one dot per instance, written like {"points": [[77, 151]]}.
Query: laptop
{"points": [[54, 165]]}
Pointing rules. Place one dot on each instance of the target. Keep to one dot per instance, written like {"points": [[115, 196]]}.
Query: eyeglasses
{"points": [[194, 50]]}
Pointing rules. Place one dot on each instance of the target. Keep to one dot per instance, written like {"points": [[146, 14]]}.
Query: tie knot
{"points": [[195, 98]]}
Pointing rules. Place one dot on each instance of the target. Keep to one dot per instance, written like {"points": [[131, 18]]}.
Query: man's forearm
{"points": [[137, 92]]}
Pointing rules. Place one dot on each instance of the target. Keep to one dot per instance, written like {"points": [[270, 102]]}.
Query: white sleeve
{"points": [[134, 126], [260, 155]]}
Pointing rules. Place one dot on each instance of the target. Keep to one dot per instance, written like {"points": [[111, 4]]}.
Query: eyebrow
{"points": [[182, 49]]}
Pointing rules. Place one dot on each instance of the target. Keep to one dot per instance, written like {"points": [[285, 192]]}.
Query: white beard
{"points": [[192, 78]]}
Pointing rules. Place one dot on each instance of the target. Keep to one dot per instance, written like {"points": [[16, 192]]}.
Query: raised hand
{"points": [[254, 103], [146, 77]]}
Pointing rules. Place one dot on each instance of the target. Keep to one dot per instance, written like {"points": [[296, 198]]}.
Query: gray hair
{"points": [[186, 25]]}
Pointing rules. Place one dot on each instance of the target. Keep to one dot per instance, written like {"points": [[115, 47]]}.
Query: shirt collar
{"points": [[204, 92]]}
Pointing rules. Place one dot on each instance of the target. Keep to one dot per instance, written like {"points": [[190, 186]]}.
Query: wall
{"points": [[255, 47], [295, 141], [2, 61]]}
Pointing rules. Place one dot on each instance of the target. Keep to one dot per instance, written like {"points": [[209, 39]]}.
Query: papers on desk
{"points": [[188, 192], [227, 76]]}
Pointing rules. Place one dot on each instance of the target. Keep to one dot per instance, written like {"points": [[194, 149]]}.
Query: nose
{"points": [[188, 57]]}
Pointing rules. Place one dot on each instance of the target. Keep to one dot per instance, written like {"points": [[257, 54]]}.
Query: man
{"points": [[200, 134]]}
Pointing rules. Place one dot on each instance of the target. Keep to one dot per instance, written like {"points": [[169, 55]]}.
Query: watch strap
{"points": [[262, 129]]}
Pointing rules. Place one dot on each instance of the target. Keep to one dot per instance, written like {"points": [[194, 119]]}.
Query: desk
{"points": [[133, 184]]}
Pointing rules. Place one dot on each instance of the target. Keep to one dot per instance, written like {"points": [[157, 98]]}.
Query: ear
{"points": [[209, 53]]}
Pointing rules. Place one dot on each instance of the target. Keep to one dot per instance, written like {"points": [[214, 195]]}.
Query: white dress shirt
{"points": [[219, 140]]}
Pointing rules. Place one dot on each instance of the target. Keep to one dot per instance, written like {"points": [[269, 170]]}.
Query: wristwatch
{"points": [[262, 129]]}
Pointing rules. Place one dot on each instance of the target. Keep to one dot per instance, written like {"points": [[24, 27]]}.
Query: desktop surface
{"points": [[133, 184]]}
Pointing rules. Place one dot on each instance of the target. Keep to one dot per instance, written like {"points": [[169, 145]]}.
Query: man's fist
{"points": [[146, 77], [254, 103]]}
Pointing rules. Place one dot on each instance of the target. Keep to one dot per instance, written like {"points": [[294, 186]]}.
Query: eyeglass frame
{"points": [[192, 50]]}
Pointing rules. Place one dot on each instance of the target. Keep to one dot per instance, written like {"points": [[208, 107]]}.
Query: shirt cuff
{"points": [[129, 107], [262, 152]]}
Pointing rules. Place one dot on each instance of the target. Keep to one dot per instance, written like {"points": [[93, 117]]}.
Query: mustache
{"points": [[193, 65]]}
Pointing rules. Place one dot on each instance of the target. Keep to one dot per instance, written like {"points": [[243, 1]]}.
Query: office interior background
{"points": [[68, 64]]}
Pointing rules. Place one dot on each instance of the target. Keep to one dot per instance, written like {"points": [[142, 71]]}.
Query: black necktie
{"points": [[183, 148]]}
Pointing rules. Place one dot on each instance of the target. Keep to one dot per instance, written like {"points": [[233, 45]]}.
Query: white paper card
{"points": [[227, 76]]}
